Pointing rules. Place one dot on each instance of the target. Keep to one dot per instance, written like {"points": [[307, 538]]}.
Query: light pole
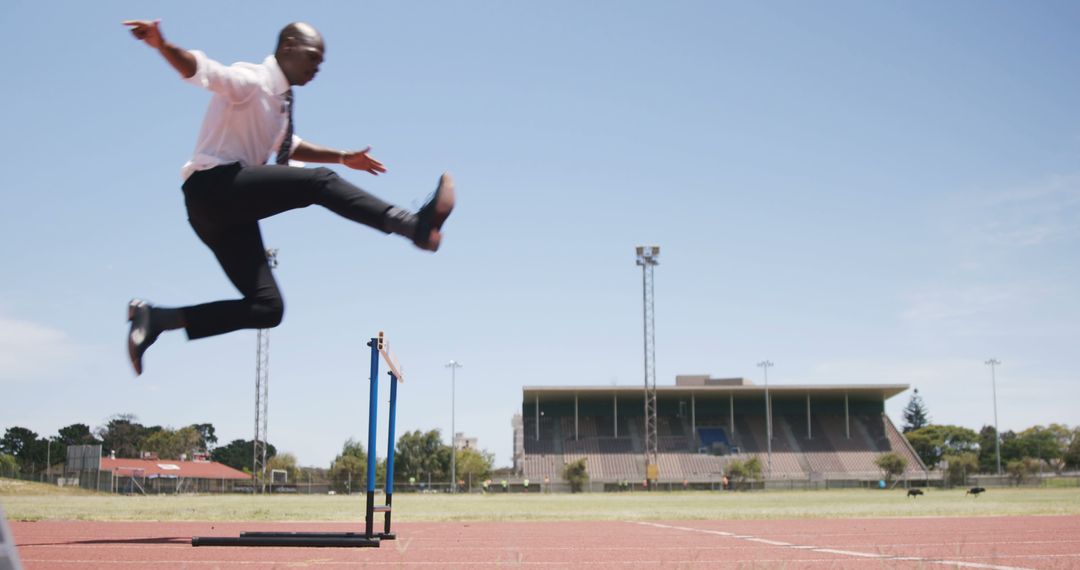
{"points": [[993, 363], [453, 365], [765, 364], [648, 257]]}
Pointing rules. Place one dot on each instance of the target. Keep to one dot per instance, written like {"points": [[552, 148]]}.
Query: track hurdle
{"points": [[369, 538]]}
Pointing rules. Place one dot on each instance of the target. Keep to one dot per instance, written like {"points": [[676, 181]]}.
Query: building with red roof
{"points": [[172, 476]]}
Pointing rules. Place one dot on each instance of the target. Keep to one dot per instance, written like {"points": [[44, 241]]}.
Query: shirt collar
{"points": [[278, 82]]}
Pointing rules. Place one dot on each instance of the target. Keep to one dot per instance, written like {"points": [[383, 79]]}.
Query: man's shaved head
{"points": [[300, 51], [300, 31]]}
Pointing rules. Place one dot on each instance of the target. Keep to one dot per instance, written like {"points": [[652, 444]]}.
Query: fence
{"points": [[108, 482]]}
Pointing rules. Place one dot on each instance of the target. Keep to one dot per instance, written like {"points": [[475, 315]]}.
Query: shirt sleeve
{"points": [[234, 82], [296, 140]]}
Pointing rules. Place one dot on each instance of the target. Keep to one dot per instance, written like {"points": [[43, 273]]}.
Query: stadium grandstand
{"points": [[820, 432]]}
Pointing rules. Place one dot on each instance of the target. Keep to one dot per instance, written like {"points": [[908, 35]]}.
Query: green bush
{"points": [[576, 474], [960, 467], [8, 465], [892, 464]]}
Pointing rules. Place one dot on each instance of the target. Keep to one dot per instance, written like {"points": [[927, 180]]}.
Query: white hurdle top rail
{"points": [[388, 357]]}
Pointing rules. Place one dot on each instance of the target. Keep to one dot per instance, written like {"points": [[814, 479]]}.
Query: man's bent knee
{"points": [[269, 312]]}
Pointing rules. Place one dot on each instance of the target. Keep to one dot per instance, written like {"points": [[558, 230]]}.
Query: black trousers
{"points": [[224, 206]]}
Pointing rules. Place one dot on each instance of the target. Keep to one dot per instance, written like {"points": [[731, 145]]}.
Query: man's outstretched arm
{"points": [[149, 31], [355, 159]]}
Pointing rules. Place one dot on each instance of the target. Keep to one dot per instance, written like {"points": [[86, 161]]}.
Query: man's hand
{"points": [[361, 160], [148, 31]]}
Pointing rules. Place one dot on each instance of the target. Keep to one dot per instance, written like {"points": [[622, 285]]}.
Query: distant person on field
{"points": [[229, 185]]}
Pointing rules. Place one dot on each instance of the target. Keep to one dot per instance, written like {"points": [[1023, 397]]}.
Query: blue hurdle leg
{"points": [[390, 456], [373, 410]]}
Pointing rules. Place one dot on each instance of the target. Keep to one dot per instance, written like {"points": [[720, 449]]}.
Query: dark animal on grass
{"points": [[914, 492], [975, 491]]}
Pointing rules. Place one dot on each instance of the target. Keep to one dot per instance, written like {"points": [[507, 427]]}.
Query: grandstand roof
{"points": [[883, 391], [169, 468]]}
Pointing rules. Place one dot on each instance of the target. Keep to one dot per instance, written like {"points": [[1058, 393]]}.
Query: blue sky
{"points": [[860, 192]]}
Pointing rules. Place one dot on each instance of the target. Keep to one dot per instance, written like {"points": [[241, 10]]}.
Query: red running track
{"points": [[993, 542]]}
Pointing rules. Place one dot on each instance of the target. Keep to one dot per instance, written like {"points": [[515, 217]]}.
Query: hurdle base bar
{"points": [[315, 539], [346, 535]]}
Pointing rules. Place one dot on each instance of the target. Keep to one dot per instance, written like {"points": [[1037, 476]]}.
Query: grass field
{"points": [[42, 502]]}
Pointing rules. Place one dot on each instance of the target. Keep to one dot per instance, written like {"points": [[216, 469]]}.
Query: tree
{"points": [[18, 441], [987, 451], [8, 465], [421, 456], [287, 463], [123, 435], [25, 446], [207, 437], [915, 415], [77, 434], [1072, 452], [892, 465], [349, 469], [576, 475], [934, 441], [960, 467], [1045, 443], [240, 454], [1020, 469], [472, 464], [173, 444], [739, 472]]}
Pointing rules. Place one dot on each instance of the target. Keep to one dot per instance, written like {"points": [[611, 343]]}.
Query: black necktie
{"points": [[286, 143]]}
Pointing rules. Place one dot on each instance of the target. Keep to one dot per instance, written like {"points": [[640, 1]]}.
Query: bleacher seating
{"points": [[828, 452], [707, 436]]}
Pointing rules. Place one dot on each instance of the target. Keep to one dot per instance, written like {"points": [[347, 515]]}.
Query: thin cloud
{"points": [[956, 304], [30, 350], [1033, 215]]}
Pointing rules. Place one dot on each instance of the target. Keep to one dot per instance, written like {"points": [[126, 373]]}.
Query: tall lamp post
{"points": [[648, 257], [765, 365], [993, 363], [453, 365]]}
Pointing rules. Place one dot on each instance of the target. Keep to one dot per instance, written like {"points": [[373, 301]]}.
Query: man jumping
{"points": [[228, 185]]}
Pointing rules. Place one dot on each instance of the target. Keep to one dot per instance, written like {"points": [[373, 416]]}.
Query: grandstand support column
{"points": [[648, 258], [847, 418], [575, 417], [616, 408], [693, 417], [537, 417], [809, 434], [731, 412]]}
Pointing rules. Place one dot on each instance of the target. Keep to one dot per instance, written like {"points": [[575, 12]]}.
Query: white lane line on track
{"points": [[890, 557]]}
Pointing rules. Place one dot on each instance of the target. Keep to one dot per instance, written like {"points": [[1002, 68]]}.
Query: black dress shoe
{"points": [[431, 216], [142, 333]]}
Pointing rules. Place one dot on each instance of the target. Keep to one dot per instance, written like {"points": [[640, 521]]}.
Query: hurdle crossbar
{"points": [[369, 538], [388, 357]]}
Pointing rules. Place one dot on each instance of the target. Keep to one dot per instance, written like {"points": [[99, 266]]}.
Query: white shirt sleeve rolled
{"points": [[236, 82]]}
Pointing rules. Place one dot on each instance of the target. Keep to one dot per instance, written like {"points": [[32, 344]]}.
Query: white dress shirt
{"points": [[247, 116]]}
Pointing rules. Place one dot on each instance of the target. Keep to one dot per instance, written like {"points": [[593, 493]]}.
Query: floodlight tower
{"points": [[262, 395], [647, 258], [765, 365], [993, 363], [453, 365]]}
